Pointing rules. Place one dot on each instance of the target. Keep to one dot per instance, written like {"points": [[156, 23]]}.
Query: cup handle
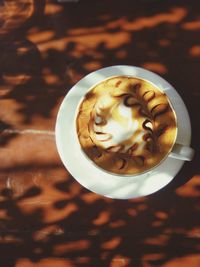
{"points": [[182, 152]]}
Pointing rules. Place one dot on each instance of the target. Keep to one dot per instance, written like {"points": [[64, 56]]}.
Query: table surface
{"points": [[48, 219]]}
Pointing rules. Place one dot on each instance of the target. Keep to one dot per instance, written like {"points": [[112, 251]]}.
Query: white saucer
{"points": [[95, 179]]}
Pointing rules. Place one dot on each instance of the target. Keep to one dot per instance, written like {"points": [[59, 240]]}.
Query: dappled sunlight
{"points": [[90, 197], [93, 65], [50, 78], [120, 261], [68, 247], [47, 262], [57, 225], [156, 67], [102, 218], [160, 218], [194, 232], [159, 240], [164, 42], [46, 217], [184, 261], [152, 259], [85, 31], [195, 51], [13, 80], [161, 215], [117, 224], [41, 157], [142, 207], [44, 233], [111, 244], [132, 212], [175, 15], [41, 36], [111, 41], [192, 188], [77, 51], [53, 8], [192, 25], [50, 214]]}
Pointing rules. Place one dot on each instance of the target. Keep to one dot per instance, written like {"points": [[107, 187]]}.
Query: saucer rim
{"points": [[62, 133]]}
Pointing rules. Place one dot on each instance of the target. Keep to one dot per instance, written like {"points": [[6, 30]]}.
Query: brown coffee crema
{"points": [[126, 125]]}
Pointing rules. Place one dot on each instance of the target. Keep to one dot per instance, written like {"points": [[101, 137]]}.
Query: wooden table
{"points": [[47, 219]]}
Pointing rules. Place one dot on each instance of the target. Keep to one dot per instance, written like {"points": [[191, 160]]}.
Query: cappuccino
{"points": [[126, 125]]}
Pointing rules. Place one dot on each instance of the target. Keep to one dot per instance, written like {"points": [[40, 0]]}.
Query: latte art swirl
{"points": [[126, 125]]}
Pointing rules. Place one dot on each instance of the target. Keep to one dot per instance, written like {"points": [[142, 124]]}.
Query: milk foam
{"points": [[121, 125]]}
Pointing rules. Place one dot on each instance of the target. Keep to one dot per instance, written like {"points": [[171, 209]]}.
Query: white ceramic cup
{"points": [[177, 151]]}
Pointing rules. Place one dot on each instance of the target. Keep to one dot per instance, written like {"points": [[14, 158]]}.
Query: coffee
{"points": [[126, 125]]}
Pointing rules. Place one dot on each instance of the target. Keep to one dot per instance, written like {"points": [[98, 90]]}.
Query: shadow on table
{"points": [[48, 54], [40, 61], [86, 228]]}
